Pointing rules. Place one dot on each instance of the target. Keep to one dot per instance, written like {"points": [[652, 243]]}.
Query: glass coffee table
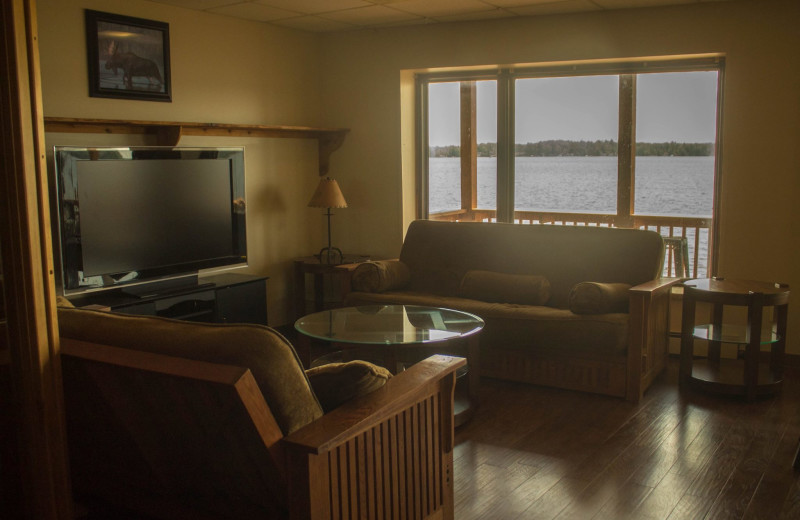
{"points": [[396, 336]]}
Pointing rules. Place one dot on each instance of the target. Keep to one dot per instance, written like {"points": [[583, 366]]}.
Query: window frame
{"points": [[626, 70]]}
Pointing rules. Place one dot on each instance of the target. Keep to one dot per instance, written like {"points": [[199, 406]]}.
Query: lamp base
{"points": [[330, 256]]}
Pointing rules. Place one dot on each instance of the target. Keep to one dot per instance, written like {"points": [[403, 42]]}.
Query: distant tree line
{"points": [[563, 148]]}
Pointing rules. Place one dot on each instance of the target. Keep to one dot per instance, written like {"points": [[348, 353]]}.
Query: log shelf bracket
{"points": [[169, 133]]}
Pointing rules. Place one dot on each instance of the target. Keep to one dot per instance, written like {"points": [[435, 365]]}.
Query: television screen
{"points": [[133, 215]]}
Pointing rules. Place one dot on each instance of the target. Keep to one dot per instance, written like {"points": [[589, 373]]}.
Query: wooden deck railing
{"points": [[696, 230]]}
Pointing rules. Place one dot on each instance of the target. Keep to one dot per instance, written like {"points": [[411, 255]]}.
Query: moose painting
{"points": [[128, 57], [131, 65]]}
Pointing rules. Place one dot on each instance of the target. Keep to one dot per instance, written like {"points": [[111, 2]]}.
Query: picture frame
{"points": [[128, 57]]}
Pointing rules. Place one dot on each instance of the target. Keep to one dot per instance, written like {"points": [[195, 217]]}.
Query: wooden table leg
{"points": [[302, 345], [299, 291], [687, 338], [473, 364], [753, 349], [319, 292], [715, 347], [778, 354]]}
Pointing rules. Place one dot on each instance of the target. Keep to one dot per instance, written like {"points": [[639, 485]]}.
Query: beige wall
{"points": [[760, 159], [224, 70], [228, 70]]}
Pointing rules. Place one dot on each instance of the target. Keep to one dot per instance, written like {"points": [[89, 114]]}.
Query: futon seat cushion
{"points": [[517, 326], [270, 357]]}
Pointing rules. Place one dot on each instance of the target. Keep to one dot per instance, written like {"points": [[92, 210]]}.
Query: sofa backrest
{"points": [[271, 359], [440, 253]]}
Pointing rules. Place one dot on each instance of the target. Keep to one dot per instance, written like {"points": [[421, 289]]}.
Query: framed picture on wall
{"points": [[128, 57]]}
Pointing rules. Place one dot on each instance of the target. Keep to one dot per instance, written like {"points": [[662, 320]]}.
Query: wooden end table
{"points": [[312, 265], [749, 376]]}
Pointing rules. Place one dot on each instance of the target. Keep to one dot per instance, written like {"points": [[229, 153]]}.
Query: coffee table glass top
{"points": [[389, 324]]}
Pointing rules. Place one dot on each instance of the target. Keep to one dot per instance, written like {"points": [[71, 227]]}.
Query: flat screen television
{"points": [[134, 217]]}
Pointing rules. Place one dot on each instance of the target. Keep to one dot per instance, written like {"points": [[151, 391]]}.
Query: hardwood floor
{"points": [[540, 453]]}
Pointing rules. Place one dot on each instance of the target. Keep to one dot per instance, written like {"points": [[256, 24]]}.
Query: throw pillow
{"points": [[490, 286], [599, 298], [337, 383], [62, 301], [380, 276]]}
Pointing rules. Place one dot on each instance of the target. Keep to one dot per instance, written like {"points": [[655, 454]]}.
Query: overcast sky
{"points": [[670, 107]]}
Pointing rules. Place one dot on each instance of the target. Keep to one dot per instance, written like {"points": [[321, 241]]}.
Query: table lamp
{"points": [[328, 195]]}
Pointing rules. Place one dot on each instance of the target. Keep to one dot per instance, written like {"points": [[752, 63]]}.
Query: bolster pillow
{"points": [[380, 276], [494, 287], [337, 383], [599, 298]]}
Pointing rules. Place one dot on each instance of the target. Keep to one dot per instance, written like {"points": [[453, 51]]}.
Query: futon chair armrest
{"points": [[386, 454], [365, 412]]}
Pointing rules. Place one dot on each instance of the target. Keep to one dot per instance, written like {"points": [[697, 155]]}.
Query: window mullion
{"points": [[505, 147], [626, 151], [423, 149], [469, 146]]}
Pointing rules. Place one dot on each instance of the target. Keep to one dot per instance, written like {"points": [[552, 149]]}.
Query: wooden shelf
{"points": [[727, 377], [168, 133]]}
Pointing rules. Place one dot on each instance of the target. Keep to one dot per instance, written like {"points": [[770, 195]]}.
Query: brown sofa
{"points": [[573, 307]]}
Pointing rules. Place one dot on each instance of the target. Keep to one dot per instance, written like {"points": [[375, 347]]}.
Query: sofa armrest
{"points": [[648, 345], [656, 286], [400, 433]]}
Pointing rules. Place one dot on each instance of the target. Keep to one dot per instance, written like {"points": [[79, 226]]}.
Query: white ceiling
{"points": [[339, 15]]}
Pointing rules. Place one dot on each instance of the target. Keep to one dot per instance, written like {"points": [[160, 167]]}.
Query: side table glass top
{"points": [[736, 287], [389, 324]]}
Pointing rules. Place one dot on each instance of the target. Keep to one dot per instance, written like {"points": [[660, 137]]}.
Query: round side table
{"points": [[746, 375]]}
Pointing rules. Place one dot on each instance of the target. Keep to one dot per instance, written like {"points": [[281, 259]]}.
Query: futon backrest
{"points": [[170, 437], [269, 356], [440, 253]]}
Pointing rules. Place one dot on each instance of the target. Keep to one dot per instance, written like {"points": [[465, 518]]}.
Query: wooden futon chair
{"points": [[186, 420]]}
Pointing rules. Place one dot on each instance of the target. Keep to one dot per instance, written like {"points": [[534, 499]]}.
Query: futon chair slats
{"points": [[390, 470], [395, 462]]}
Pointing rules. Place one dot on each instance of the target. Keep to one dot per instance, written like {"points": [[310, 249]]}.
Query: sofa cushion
{"points": [[491, 286], [336, 383], [380, 276], [270, 357], [599, 298]]}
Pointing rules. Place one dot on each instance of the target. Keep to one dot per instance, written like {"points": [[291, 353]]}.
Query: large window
{"points": [[626, 145]]}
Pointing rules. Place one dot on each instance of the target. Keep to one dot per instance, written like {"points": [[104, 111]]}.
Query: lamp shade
{"points": [[327, 195]]}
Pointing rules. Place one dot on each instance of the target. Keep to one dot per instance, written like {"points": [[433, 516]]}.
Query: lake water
{"points": [[670, 186]]}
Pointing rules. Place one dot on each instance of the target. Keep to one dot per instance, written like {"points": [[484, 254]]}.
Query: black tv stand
{"points": [[223, 298], [166, 288]]}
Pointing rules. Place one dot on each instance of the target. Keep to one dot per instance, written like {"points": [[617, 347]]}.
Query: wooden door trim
{"points": [[36, 402]]}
